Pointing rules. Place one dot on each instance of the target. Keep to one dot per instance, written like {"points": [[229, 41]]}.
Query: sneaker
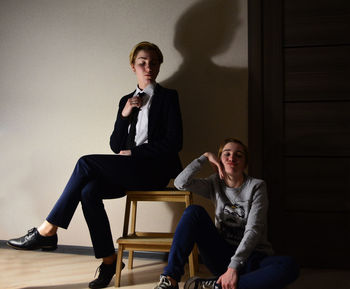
{"points": [[201, 283], [106, 273], [33, 240], [164, 283]]}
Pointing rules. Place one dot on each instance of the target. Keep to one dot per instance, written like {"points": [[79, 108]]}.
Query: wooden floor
{"points": [[36, 269]]}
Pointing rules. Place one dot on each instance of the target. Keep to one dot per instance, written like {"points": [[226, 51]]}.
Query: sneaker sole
{"points": [[191, 283]]}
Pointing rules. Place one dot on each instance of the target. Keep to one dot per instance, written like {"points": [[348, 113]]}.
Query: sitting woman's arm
{"points": [[186, 179]]}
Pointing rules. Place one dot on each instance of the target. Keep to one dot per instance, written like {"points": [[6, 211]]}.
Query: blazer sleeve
{"points": [[120, 131], [164, 128]]}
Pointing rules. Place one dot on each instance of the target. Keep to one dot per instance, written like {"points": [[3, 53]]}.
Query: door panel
{"points": [[317, 73], [317, 129], [316, 22]]}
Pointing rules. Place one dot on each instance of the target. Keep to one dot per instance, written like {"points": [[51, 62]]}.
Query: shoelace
{"points": [[102, 272], [30, 232], [164, 283], [98, 270]]}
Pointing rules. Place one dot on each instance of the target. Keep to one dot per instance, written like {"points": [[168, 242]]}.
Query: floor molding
{"points": [[89, 251]]}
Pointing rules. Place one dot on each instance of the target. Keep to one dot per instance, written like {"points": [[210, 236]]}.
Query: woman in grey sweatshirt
{"points": [[234, 247]]}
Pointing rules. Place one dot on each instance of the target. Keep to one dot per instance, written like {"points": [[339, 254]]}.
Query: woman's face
{"points": [[233, 158], [146, 67]]}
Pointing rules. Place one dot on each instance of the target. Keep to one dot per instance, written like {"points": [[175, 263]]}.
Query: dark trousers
{"points": [[259, 272], [98, 177]]}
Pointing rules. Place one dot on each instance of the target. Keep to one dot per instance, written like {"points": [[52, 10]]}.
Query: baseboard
{"points": [[89, 251]]}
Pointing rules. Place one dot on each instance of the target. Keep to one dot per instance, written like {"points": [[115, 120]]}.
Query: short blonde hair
{"points": [[148, 46], [237, 141]]}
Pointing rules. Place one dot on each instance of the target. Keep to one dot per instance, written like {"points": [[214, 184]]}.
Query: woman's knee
{"points": [[196, 214], [288, 266], [87, 167], [195, 209], [85, 160], [82, 166]]}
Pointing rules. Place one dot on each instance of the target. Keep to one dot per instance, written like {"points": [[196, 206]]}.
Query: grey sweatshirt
{"points": [[240, 213]]}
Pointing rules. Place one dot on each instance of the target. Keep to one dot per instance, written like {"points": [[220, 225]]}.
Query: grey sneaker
{"points": [[201, 283], [164, 283]]}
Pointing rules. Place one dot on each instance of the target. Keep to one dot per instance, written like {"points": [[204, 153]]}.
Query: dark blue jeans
{"points": [[98, 177], [259, 272]]}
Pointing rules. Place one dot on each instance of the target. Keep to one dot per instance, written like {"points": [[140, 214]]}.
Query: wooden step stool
{"points": [[148, 241]]}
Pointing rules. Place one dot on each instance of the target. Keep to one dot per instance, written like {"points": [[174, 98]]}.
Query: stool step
{"points": [[146, 240], [149, 241]]}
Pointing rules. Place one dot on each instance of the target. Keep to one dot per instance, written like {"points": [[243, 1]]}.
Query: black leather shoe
{"points": [[33, 240], [106, 273]]}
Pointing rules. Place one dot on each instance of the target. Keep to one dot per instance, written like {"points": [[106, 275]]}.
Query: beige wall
{"points": [[64, 67]]}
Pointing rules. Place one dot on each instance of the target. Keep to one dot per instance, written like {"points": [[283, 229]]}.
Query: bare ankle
{"points": [[46, 229], [110, 259]]}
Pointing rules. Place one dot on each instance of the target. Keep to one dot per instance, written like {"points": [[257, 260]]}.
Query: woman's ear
{"points": [[133, 67]]}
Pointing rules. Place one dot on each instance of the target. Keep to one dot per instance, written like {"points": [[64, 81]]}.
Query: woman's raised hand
{"points": [[132, 102], [212, 158]]}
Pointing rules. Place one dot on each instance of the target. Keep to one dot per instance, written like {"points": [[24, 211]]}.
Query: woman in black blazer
{"points": [[146, 140]]}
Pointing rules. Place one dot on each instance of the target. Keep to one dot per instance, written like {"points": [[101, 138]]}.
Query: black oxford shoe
{"points": [[33, 240], [106, 273]]}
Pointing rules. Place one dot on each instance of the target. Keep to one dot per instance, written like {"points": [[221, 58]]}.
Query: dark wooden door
{"points": [[299, 124]]}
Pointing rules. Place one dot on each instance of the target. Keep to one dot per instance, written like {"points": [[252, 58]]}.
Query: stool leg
{"points": [[131, 259], [193, 261], [119, 265]]}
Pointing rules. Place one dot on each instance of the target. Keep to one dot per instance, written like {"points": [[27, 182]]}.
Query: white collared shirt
{"points": [[141, 136]]}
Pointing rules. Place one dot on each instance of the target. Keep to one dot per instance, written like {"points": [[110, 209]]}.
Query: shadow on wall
{"points": [[213, 98]]}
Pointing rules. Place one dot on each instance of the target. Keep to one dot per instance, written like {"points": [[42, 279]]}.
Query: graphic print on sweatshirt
{"points": [[233, 222]]}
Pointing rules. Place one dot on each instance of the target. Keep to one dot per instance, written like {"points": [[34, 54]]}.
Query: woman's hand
{"points": [[215, 163], [229, 279], [132, 102], [125, 153]]}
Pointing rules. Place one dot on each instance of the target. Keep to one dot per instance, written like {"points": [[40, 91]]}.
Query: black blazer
{"points": [[164, 130]]}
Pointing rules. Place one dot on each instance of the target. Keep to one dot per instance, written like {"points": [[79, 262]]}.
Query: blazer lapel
{"points": [[155, 110]]}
